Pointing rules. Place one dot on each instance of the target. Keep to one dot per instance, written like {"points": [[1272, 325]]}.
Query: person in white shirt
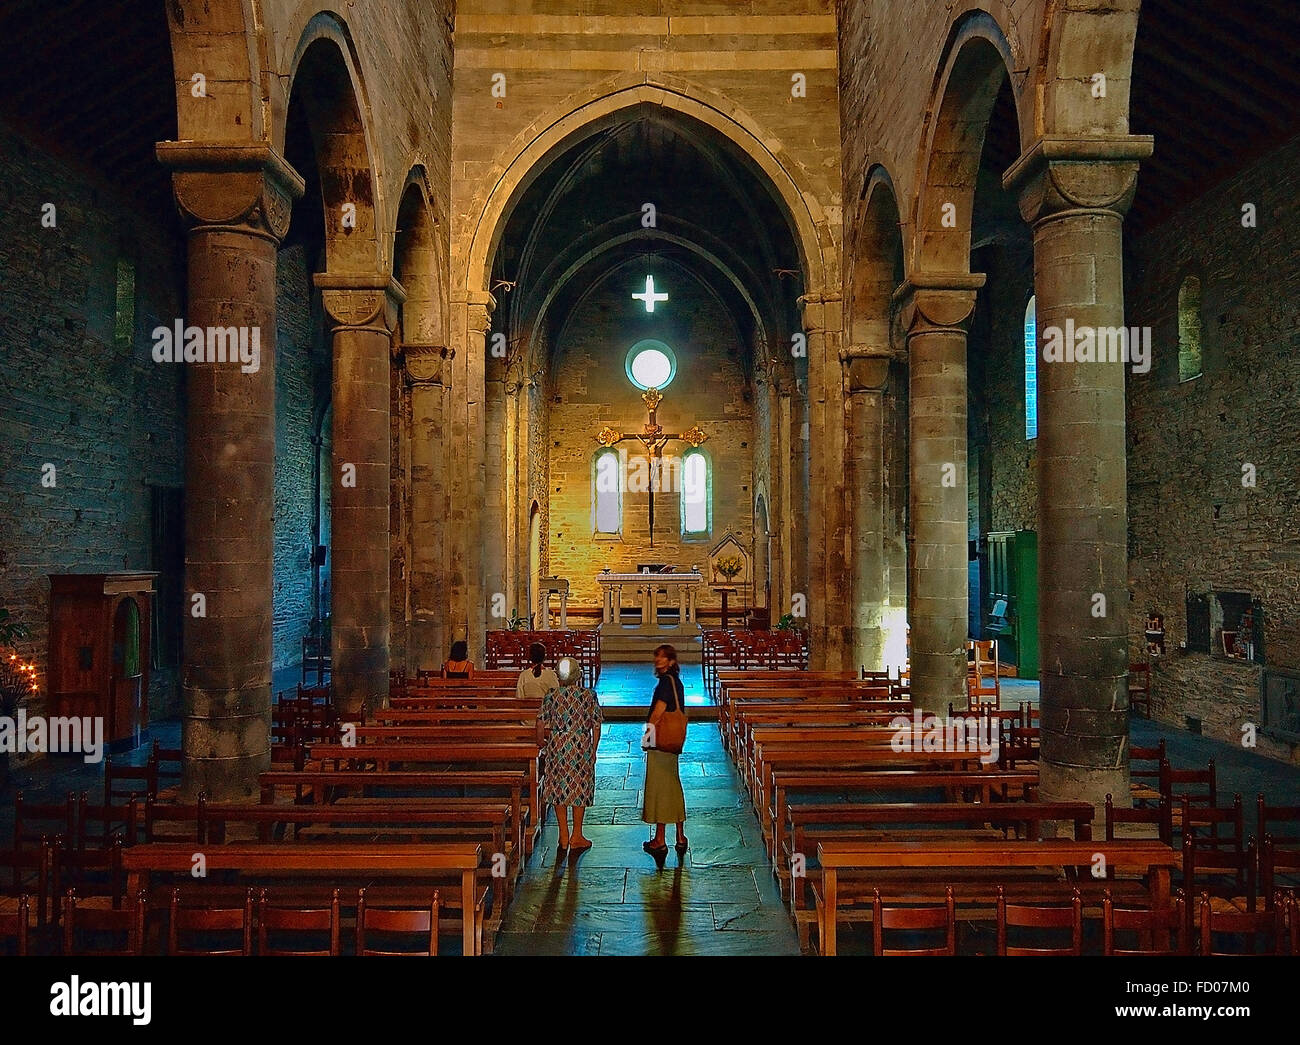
{"points": [[536, 681]]}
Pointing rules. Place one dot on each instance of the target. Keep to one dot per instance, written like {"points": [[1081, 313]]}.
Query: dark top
{"points": [[667, 689]]}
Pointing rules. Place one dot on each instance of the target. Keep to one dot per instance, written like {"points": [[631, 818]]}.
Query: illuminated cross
{"points": [[654, 439], [650, 297]]}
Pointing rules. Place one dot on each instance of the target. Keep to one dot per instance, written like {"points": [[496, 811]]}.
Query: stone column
{"points": [[469, 606], [1075, 194], [363, 311], [866, 372], [426, 367], [236, 201], [936, 312]]}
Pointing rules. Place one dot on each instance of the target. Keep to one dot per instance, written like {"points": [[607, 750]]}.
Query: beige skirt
{"points": [[664, 801]]}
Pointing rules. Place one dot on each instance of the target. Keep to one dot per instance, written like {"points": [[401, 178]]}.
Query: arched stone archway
{"points": [[223, 42]]}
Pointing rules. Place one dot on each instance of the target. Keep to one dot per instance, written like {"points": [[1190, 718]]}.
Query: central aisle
{"points": [[720, 898]]}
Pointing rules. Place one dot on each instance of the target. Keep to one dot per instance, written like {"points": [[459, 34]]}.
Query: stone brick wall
{"points": [[1192, 525], [109, 418], [591, 384]]}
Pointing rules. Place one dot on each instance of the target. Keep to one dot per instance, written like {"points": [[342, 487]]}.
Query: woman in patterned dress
{"points": [[571, 718]]}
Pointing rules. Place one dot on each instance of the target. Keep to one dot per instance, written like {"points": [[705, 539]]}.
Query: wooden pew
{"points": [[837, 693], [463, 733], [436, 716], [849, 870], [812, 823], [339, 864], [1004, 785], [747, 714], [324, 787]]}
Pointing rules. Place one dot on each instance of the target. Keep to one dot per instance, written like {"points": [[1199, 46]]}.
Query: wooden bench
{"points": [[747, 715], [915, 870], [383, 756], [812, 823], [324, 787], [340, 864], [497, 733], [999, 784]]}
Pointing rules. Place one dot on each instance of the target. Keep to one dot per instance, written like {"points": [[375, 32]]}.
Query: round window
{"points": [[651, 364]]}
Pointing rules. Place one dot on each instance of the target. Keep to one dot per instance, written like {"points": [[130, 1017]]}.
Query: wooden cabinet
{"points": [[99, 651]]}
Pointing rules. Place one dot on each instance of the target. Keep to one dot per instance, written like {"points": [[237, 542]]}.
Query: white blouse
{"points": [[534, 687]]}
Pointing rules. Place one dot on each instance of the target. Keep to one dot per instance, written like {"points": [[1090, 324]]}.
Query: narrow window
{"points": [[1031, 368], [608, 493], [124, 305], [1189, 329], [695, 493]]}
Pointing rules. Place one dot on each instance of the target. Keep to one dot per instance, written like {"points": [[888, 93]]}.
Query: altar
{"points": [[649, 592]]}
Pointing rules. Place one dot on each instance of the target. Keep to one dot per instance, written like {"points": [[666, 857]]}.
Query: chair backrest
{"points": [[913, 919], [1146, 923], [1274, 860], [1263, 932], [184, 920], [34, 821], [1161, 817], [420, 926], [1220, 871], [1195, 784], [1282, 822], [122, 782], [1040, 918], [298, 920], [1139, 676], [126, 923], [1153, 756], [14, 925], [99, 825]]}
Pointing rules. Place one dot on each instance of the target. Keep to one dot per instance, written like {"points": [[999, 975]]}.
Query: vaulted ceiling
{"points": [[585, 217]]}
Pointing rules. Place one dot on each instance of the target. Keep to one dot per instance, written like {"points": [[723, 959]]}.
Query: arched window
{"points": [[695, 493], [607, 491], [1031, 368], [1189, 329]]}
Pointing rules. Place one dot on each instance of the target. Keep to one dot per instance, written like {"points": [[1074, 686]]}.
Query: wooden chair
{"points": [[1144, 771], [205, 920], [1278, 861], [125, 923], [1254, 926], [983, 681], [122, 783], [1139, 688], [1040, 918], [420, 925], [1225, 859], [913, 919], [15, 926], [1197, 785], [1146, 923], [297, 920], [1161, 818]]}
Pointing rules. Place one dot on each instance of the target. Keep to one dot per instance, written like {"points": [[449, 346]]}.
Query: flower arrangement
{"points": [[730, 566]]}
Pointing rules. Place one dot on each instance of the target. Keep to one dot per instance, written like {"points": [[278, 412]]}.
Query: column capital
{"points": [[813, 308], [931, 302], [865, 368], [355, 302], [479, 306], [247, 188], [425, 363], [1058, 176]]}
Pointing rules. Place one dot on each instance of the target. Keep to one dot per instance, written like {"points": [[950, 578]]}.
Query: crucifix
{"points": [[654, 439]]}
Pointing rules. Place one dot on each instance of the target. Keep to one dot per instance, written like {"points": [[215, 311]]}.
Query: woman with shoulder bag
{"points": [[665, 736]]}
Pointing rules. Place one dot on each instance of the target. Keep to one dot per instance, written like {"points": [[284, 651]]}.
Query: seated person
{"points": [[458, 665]]}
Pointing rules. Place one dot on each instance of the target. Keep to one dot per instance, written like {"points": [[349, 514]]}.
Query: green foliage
{"points": [[786, 623], [11, 629]]}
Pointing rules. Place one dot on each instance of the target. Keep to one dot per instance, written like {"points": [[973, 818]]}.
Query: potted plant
{"points": [[786, 622], [516, 622], [729, 567], [17, 677]]}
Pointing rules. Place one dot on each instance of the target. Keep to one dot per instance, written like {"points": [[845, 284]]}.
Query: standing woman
{"points": [[571, 718], [536, 681], [664, 800]]}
